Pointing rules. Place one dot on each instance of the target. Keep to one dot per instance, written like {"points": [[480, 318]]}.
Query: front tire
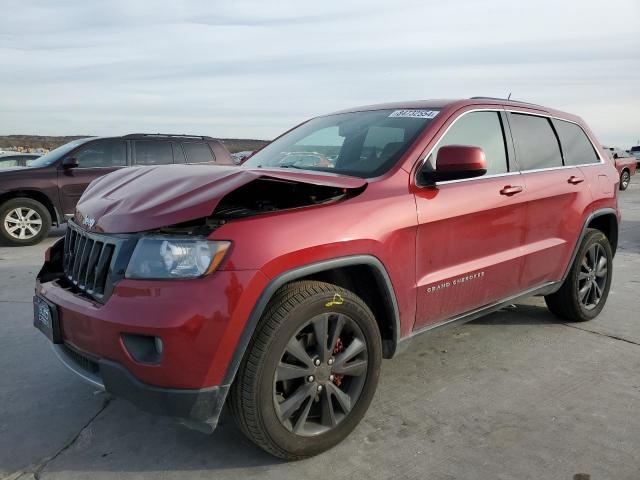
{"points": [[585, 290], [24, 221], [310, 370], [625, 179]]}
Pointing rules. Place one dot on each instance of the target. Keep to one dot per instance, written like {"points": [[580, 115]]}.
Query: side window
{"points": [[151, 152], [576, 147], [197, 152], [110, 153], [483, 130], [536, 143]]}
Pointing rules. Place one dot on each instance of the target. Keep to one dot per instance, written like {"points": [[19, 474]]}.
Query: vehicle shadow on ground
{"points": [[520, 314]]}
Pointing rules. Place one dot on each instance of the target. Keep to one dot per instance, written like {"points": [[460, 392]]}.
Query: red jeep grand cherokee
{"points": [[277, 287]]}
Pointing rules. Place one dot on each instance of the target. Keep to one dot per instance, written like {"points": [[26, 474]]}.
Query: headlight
{"points": [[165, 257]]}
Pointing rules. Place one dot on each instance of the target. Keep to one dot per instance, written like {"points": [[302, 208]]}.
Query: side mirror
{"points": [[455, 162], [69, 163]]}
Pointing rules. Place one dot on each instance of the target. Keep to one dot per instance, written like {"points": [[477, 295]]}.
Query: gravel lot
{"points": [[516, 395]]}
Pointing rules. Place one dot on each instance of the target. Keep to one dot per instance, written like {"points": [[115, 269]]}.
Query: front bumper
{"points": [[199, 321], [196, 408]]}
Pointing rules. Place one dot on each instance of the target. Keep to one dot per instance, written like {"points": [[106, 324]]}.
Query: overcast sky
{"points": [[252, 69]]}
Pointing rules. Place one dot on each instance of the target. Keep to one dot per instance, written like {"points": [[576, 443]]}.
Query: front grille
{"points": [[92, 262], [87, 261]]}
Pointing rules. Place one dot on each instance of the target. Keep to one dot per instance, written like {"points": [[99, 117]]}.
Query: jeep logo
{"points": [[88, 222]]}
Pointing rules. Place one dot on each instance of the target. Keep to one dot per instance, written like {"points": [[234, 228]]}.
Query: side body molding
{"points": [[304, 271]]}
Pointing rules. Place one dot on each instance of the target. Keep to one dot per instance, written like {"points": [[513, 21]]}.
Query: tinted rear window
{"points": [[536, 143], [150, 152], [576, 147], [197, 152]]}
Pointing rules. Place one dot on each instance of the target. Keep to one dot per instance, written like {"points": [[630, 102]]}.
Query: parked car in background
{"points": [[626, 167], [240, 157], [635, 152], [45, 193], [625, 163], [17, 159], [615, 152], [277, 288]]}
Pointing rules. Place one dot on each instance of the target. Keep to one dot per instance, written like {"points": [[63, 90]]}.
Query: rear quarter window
{"points": [[576, 146], [536, 143], [198, 153]]}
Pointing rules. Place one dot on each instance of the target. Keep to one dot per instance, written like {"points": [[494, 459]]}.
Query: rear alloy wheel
{"points": [[310, 371], [584, 292], [625, 179], [24, 221]]}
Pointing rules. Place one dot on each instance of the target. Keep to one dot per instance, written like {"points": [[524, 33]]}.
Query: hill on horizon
{"points": [[50, 142]]}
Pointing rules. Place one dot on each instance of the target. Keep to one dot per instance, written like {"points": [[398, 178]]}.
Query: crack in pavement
{"points": [[602, 334], [43, 464]]}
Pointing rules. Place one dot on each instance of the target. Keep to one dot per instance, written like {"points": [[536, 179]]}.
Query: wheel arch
{"points": [[33, 195], [605, 220], [377, 288]]}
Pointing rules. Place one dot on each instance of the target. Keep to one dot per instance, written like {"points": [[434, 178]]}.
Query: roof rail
{"points": [[504, 100], [166, 135]]}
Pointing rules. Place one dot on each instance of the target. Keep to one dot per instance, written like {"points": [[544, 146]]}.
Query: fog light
{"points": [[143, 348]]}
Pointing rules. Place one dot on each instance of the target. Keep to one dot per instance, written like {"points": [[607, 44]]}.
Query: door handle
{"points": [[509, 190], [573, 180]]}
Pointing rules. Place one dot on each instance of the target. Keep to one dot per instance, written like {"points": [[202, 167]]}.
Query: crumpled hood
{"points": [[144, 198]]}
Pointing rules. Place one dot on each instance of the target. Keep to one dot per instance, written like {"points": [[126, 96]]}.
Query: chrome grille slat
{"points": [[90, 277], [77, 255], [84, 260], [102, 268]]}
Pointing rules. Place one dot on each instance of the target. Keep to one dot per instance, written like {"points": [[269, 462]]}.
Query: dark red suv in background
{"points": [[277, 287], [32, 199]]}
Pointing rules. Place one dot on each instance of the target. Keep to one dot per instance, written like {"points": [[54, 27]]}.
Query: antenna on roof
{"points": [[509, 97]]}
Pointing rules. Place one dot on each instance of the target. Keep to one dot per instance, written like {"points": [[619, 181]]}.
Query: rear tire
{"points": [[625, 180], [24, 221], [331, 403], [585, 290]]}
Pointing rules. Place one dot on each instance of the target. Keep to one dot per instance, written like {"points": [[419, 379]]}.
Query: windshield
{"points": [[56, 154], [363, 144]]}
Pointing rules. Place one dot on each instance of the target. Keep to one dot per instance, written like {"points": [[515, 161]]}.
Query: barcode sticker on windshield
{"points": [[414, 114]]}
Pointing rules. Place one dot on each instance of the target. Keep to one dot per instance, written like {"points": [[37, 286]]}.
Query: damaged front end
{"points": [[261, 196], [196, 199], [103, 246]]}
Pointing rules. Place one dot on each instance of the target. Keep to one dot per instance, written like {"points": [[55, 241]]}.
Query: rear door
{"points": [[557, 197], [94, 160], [470, 231]]}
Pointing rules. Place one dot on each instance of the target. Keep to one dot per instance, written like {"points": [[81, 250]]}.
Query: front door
{"points": [[94, 160], [470, 231]]}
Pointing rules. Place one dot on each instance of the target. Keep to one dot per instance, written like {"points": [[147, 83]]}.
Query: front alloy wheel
{"points": [[320, 374], [309, 372], [24, 221]]}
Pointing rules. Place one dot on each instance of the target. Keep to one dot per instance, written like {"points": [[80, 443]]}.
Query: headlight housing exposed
{"points": [[170, 257]]}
